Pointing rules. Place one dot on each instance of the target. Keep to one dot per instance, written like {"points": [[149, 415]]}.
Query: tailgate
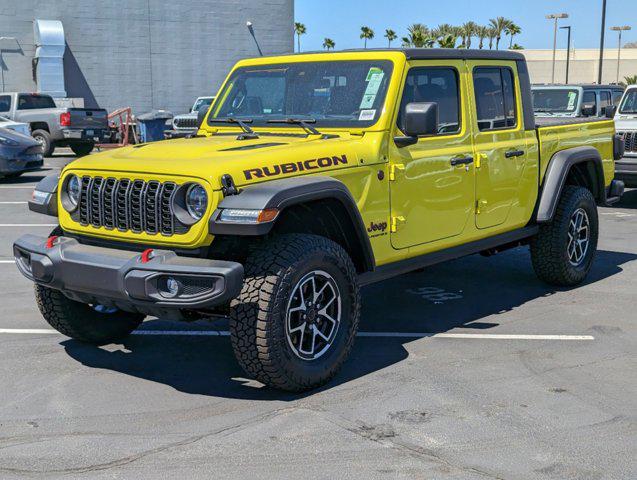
{"points": [[92, 118]]}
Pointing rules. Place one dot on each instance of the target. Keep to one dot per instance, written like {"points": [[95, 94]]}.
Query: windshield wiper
{"points": [[302, 122], [248, 133]]}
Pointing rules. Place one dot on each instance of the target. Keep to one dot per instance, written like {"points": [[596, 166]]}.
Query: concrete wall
{"points": [[584, 64], [143, 53]]}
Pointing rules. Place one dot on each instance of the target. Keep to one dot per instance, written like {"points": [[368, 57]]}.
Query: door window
{"points": [[494, 89], [604, 101], [5, 103], [434, 84], [617, 96], [589, 98]]}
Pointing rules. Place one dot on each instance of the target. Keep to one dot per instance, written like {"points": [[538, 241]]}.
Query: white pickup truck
{"points": [[626, 125], [77, 128]]}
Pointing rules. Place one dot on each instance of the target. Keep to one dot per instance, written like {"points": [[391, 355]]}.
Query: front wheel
{"points": [[97, 324], [562, 252], [294, 322]]}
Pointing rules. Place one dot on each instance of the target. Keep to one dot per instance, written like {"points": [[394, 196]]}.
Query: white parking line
{"points": [[13, 203], [7, 261], [28, 224], [18, 186], [225, 333]]}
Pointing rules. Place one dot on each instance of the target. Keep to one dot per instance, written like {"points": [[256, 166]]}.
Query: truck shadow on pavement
{"points": [[468, 293], [628, 200]]}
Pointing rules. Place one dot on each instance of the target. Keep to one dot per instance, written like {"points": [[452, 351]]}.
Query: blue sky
{"points": [[341, 19]]}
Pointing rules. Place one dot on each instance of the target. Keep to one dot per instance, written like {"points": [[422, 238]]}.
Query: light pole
{"points": [[568, 49], [555, 17], [619, 45], [601, 44]]}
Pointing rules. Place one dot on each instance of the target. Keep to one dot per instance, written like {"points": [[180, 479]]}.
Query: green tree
{"points": [[328, 43], [499, 24], [390, 35], [448, 41], [442, 31], [515, 46], [482, 32], [632, 80], [492, 34], [512, 30], [418, 36], [366, 34], [468, 29], [299, 29]]}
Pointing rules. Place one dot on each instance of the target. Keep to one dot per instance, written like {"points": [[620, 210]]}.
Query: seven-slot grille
{"points": [[186, 122], [630, 139], [124, 204]]}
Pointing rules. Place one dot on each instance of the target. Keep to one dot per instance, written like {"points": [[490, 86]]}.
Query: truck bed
{"points": [[559, 121]]}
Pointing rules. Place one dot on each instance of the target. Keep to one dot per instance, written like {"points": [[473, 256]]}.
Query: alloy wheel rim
{"points": [[313, 315], [578, 237]]}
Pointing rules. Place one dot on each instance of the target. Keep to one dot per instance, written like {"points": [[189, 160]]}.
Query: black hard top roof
{"points": [[436, 53], [586, 86]]}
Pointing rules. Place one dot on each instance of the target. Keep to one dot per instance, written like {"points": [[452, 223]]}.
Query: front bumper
{"points": [[111, 277], [19, 160], [626, 171]]}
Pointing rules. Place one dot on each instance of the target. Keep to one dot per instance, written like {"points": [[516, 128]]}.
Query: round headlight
{"points": [[73, 188], [196, 201]]}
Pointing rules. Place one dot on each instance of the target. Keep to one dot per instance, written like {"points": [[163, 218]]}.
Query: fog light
{"points": [[171, 289]]}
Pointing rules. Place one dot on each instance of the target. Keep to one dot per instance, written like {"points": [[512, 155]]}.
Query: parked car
{"points": [[574, 100], [77, 128], [318, 174], [19, 127], [19, 153], [626, 126], [187, 123]]}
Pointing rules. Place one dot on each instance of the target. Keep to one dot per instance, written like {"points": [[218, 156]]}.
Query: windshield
{"points": [[629, 104], [334, 94], [202, 102], [557, 100]]}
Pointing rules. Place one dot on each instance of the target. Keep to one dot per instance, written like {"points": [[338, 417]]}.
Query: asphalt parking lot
{"points": [[522, 381]]}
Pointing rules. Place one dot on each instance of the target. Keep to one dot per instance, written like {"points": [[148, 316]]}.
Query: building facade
{"points": [[583, 65], [146, 54]]}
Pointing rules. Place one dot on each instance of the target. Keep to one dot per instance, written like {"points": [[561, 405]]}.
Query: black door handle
{"points": [[514, 153], [461, 161]]}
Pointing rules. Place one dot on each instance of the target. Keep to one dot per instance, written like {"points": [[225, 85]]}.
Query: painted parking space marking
{"points": [[7, 261], [28, 224], [18, 186], [225, 333], [13, 203]]}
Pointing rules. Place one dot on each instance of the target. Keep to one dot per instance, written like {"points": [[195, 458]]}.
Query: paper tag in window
{"points": [[368, 101], [366, 115], [571, 100], [373, 71]]}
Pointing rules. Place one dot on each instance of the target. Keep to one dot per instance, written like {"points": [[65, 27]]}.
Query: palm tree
{"points": [[442, 30], [499, 24], [448, 41], [482, 32], [299, 29], [492, 34], [418, 36], [632, 80], [390, 35], [515, 46], [469, 29], [512, 29], [366, 34], [328, 43]]}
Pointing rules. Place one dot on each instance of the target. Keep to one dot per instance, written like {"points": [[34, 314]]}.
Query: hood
{"points": [[248, 161], [16, 136], [625, 122]]}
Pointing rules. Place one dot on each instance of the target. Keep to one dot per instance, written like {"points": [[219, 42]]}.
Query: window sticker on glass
{"points": [[572, 96], [374, 81], [366, 115]]}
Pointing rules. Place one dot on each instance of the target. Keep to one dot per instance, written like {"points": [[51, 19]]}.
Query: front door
{"points": [[499, 141], [432, 184]]}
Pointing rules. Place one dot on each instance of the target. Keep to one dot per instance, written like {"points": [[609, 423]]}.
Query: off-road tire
{"points": [[80, 321], [82, 149], [44, 138], [549, 247], [257, 321]]}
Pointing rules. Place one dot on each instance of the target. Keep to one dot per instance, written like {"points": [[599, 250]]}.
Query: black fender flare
{"points": [[284, 193], [47, 203]]}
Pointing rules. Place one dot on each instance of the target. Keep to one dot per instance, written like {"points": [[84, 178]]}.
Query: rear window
{"points": [[494, 89], [32, 102], [552, 100]]}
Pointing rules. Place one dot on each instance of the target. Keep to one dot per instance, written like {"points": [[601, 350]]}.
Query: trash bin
{"points": [[152, 125]]}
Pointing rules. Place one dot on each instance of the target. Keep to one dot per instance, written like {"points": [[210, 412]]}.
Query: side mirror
{"points": [[201, 115], [609, 112], [588, 109], [420, 119]]}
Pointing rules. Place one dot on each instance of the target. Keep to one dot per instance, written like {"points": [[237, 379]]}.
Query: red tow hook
{"points": [[147, 255], [50, 242]]}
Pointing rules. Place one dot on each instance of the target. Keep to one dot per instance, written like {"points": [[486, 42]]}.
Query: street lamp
{"points": [[619, 45], [555, 17], [568, 49]]}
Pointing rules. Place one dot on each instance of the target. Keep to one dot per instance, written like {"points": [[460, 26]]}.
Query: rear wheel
{"points": [[82, 149], [96, 324], [562, 252], [44, 138], [294, 323]]}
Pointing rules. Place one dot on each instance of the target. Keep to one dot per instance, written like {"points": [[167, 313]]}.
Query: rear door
{"points": [[499, 140], [432, 185], [605, 100]]}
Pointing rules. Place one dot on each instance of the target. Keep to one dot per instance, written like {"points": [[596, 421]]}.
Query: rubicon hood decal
{"points": [[291, 167]]}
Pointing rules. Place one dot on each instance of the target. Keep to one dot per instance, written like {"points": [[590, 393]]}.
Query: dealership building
{"points": [[144, 54]]}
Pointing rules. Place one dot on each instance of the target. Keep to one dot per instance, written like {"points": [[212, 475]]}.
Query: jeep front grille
{"points": [[185, 123], [128, 205], [630, 139]]}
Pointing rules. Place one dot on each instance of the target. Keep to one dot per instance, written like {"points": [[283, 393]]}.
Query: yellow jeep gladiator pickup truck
{"points": [[310, 176]]}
